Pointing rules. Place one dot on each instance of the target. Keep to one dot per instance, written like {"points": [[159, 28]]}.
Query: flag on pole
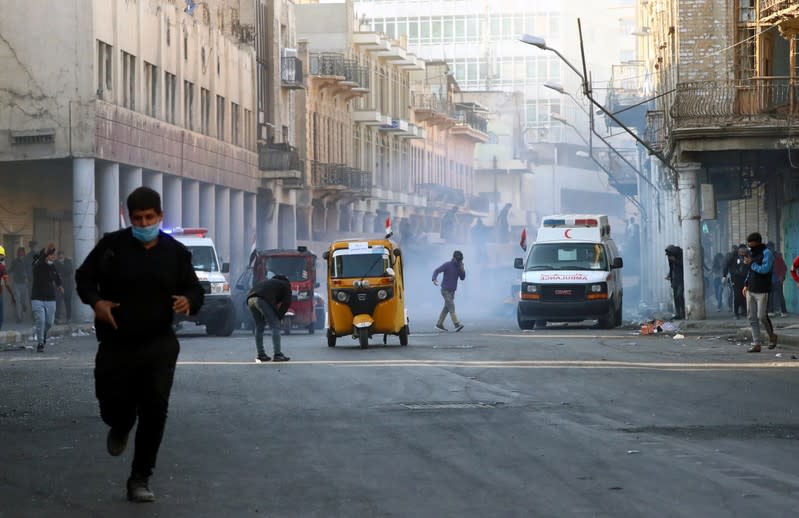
{"points": [[389, 233], [523, 241]]}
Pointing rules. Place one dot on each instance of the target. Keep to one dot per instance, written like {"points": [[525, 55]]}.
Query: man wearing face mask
{"points": [[136, 279], [46, 284]]}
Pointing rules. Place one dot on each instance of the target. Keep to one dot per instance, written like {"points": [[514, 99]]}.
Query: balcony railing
{"points": [[709, 101], [472, 119], [432, 102], [655, 134], [335, 64], [326, 175], [772, 7], [291, 71], [278, 157]]}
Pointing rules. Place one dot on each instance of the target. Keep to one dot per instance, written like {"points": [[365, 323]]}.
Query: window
{"points": [[746, 11], [235, 115], [249, 142], [105, 76], [128, 81], [205, 111], [151, 89], [170, 85], [188, 104], [220, 117]]}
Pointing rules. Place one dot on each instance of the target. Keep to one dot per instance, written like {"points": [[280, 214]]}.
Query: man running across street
{"points": [[756, 290], [452, 270]]}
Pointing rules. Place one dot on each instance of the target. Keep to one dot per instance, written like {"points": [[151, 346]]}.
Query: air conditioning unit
{"points": [[288, 53]]}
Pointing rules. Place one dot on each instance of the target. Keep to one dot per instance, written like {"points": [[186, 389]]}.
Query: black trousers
{"points": [[679, 300], [134, 380]]}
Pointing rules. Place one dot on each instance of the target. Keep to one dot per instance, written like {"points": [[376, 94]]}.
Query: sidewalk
{"points": [[16, 336], [724, 323]]}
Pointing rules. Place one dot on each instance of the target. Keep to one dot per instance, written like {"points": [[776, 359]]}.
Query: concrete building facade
{"points": [[113, 94]]}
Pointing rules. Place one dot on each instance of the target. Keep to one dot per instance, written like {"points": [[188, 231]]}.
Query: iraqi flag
{"points": [[389, 232], [523, 240]]}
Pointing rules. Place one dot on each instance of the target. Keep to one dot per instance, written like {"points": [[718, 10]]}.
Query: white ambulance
{"points": [[571, 273], [217, 312]]}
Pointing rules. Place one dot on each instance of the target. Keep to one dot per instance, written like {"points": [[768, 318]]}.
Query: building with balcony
{"points": [[726, 74], [113, 94]]}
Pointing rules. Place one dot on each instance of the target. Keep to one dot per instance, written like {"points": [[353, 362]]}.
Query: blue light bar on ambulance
{"points": [[584, 222], [189, 231]]}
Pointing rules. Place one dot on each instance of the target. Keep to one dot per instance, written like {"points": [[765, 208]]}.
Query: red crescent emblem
{"points": [[566, 233]]}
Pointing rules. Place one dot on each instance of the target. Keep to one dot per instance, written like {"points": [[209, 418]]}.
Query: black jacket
{"points": [[758, 282], [675, 267], [45, 279], [276, 292], [143, 282]]}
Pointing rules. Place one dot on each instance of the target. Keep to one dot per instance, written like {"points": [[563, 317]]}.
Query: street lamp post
{"points": [[689, 198]]}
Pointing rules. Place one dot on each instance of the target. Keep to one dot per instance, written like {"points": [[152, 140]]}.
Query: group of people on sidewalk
{"points": [[40, 281], [755, 272]]}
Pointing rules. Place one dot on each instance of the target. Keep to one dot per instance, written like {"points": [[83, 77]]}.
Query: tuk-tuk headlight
{"points": [[303, 295], [382, 294], [341, 296]]}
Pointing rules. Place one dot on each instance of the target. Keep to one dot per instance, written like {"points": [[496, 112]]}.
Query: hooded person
{"points": [[452, 270], [676, 278]]}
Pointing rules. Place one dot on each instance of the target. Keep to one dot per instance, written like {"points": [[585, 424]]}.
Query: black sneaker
{"points": [[139, 490], [262, 358], [441, 328], [458, 327], [772, 341], [40, 348], [116, 442], [280, 357]]}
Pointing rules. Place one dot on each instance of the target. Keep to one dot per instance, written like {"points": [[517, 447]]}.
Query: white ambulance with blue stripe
{"points": [[571, 273]]}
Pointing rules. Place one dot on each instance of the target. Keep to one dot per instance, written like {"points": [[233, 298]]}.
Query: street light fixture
{"points": [[541, 44], [555, 86]]}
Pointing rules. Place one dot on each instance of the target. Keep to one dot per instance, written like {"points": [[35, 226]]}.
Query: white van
{"points": [[217, 312], [571, 273]]}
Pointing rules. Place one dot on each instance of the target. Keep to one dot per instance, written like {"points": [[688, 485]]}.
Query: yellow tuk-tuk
{"points": [[365, 291]]}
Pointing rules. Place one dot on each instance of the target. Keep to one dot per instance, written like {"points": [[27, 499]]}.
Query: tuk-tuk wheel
{"points": [[331, 338], [311, 328], [403, 335], [363, 337]]}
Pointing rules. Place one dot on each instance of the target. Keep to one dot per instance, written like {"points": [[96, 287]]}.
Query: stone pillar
{"points": [[237, 246], [357, 221], [303, 223], [208, 208], [250, 222], [267, 216], [108, 197], [332, 217], [191, 203], [287, 229], [129, 179], [154, 180], [84, 230], [222, 234], [688, 189], [173, 202]]}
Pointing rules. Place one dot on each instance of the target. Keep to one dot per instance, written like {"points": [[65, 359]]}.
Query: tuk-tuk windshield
{"points": [[567, 256], [294, 268], [363, 263]]}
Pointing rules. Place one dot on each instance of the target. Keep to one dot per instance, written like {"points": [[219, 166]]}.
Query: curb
{"points": [[15, 340]]}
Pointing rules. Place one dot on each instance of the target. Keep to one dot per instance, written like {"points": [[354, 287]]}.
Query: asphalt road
{"points": [[491, 421]]}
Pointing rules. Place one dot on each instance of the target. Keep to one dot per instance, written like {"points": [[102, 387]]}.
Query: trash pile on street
{"points": [[659, 326]]}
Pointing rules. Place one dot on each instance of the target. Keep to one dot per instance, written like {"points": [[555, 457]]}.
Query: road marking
{"points": [[519, 364], [569, 336]]}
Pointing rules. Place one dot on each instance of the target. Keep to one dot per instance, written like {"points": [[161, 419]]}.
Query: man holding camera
{"points": [[756, 290], [452, 271]]}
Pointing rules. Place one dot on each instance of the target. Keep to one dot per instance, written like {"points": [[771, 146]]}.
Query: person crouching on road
{"points": [[136, 279], [452, 271], [268, 301], [756, 290], [47, 284]]}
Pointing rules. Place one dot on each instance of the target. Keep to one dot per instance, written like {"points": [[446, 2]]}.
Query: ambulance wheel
{"points": [[609, 321], [540, 324], [403, 335], [618, 321], [331, 338], [523, 324], [363, 337]]}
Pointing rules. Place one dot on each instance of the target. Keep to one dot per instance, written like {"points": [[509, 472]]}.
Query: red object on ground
{"points": [[793, 269]]}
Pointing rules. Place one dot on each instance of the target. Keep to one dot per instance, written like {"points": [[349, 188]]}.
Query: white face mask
{"points": [[50, 261]]}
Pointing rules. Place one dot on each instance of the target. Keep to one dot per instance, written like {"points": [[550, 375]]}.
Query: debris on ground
{"points": [[659, 326], [678, 336]]}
